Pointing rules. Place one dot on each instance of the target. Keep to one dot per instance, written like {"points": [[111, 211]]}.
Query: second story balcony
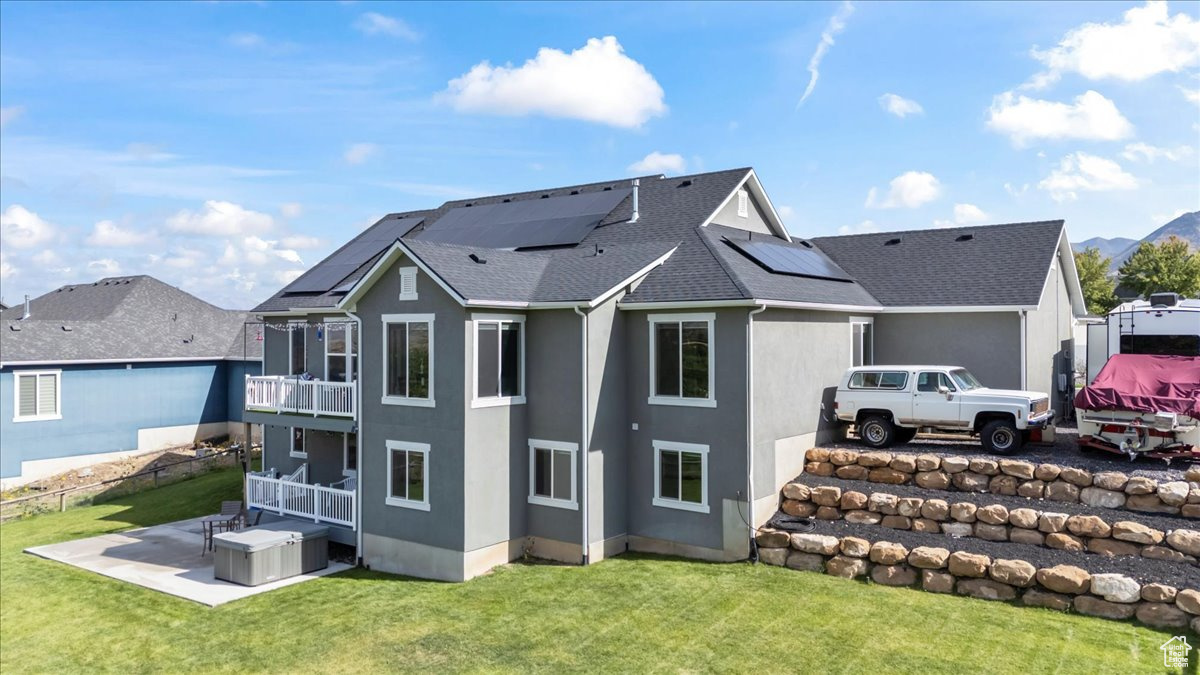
{"points": [[291, 395]]}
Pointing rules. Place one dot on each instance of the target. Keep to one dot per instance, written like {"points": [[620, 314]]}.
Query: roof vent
{"points": [[1164, 299], [467, 205], [14, 326], [545, 196], [686, 183], [892, 242], [507, 200], [805, 244], [574, 192], [66, 329], [477, 260], [608, 188], [964, 237]]}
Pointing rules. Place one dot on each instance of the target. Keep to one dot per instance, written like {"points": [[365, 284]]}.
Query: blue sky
{"points": [[224, 147]]}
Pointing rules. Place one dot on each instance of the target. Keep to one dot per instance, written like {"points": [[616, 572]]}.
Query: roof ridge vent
{"points": [[685, 183], [893, 241], [477, 260], [965, 237]]}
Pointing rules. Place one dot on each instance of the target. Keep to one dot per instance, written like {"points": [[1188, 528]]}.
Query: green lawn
{"points": [[632, 613]]}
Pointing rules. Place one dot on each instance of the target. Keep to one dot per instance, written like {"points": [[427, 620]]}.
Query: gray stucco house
{"points": [[574, 372]]}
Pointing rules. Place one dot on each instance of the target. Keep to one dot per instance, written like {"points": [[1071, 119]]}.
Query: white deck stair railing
{"points": [[290, 394], [287, 498]]}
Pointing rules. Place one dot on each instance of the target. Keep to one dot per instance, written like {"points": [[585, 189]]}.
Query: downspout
{"points": [[1024, 340], [750, 423], [358, 499], [583, 435]]}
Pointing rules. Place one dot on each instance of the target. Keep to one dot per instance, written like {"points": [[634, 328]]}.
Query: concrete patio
{"points": [[164, 558]]}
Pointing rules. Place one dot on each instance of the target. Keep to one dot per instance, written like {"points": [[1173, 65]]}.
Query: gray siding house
{"points": [[570, 373]]}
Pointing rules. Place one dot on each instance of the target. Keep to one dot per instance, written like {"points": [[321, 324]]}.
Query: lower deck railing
{"points": [[315, 502]]}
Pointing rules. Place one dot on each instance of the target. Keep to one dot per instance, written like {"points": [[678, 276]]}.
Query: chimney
{"points": [[26, 314], [634, 218]]}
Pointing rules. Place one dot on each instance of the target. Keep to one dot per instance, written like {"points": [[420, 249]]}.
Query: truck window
{"points": [[931, 381], [878, 380], [1163, 345]]}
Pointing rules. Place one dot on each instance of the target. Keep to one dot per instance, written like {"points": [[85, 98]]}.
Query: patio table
{"points": [[209, 525]]}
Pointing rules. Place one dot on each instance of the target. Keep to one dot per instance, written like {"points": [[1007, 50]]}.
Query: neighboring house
{"points": [[573, 372], [99, 371]]}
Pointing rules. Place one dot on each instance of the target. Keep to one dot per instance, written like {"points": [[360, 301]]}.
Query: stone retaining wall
{"points": [[937, 570], [1108, 489], [993, 522]]}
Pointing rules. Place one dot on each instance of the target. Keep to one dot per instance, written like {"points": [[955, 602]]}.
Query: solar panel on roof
{"points": [[350, 257], [781, 258], [546, 221]]}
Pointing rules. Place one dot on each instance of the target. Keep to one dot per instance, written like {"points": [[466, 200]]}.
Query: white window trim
{"points": [[654, 399], [348, 472], [673, 446], [494, 401], [408, 271], [406, 400], [303, 454], [743, 203], [57, 415], [347, 326], [422, 448], [573, 448], [303, 331], [863, 320]]}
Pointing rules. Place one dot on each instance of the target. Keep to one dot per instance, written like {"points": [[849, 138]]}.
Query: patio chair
{"points": [[236, 512]]}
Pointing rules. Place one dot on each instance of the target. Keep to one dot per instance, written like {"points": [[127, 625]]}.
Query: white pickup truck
{"points": [[889, 404]]}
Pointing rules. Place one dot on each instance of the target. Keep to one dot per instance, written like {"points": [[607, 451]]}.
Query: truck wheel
{"points": [[877, 432], [1000, 437], [905, 435]]}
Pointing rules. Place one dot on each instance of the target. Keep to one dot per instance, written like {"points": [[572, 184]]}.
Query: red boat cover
{"points": [[1145, 383]]}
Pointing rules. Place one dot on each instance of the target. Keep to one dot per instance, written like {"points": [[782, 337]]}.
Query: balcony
{"points": [[288, 394], [287, 496]]}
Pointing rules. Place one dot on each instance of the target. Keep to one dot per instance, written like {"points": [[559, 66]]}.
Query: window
{"points": [[743, 204], [681, 476], [931, 382], [862, 345], [297, 337], [1164, 345], [552, 474], [878, 380], [499, 360], [408, 359], [298, 448], [349, 454], [681, 355], [37, 395], [408, 475], [408, 283], [341, 350]]}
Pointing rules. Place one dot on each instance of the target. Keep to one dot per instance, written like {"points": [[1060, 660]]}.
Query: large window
{"points": [[862, 345], [552, 473], [298, 359], [499, 360], [341, 351], [408, 475], [681, 476], [681, 355], [299, 447], [408, 359], [37, 395]]}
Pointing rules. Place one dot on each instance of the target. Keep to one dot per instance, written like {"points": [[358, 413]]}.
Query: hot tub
{"points": [[266, 553]]}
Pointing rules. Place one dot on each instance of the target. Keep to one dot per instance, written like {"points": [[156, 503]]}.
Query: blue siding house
{"points": [[93, 372]]}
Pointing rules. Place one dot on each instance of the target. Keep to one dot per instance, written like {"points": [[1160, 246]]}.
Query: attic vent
{"points": [[546, 196], [574, 192], [14, 326], [468, 205], [892, 242], [507, 200], [607, 189], [964, 237], [67, 328], [686, 183], [477, 260], [805, 244]]}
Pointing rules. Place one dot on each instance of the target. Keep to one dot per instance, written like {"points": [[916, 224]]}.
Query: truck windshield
{"points": [[965, 380]]}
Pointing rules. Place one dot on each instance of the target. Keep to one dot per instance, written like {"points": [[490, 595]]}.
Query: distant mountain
{"points": [[1186, 227]]}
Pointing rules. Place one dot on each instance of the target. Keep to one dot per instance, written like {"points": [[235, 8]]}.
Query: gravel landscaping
{"points": [[1144, 570], [1064, 451]]}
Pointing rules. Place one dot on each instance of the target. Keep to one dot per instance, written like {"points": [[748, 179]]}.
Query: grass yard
{"points": [[631, 613]]}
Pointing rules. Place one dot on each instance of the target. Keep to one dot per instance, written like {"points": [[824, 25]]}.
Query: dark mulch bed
{"points": [[1144, 570], [1158, 521], [1065, 451]]}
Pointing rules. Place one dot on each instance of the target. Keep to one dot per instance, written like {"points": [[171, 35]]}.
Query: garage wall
{"points": [[1050, 341], [986, 343]]}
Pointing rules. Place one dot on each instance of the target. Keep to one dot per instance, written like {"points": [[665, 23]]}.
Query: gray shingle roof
{"points": [[135, 318], [998, 265]]}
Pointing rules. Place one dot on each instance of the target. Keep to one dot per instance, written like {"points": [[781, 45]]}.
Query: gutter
{"points": [[750, 423], [358, 497], [583, 444]]}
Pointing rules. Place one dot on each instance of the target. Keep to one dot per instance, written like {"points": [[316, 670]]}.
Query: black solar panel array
{"points": [[552, 221], [794, 259], [350, 257]]}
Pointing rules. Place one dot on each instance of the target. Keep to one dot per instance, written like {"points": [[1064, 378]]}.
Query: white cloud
{"points": [[1147, 42], [837, 23], [221, 219], [374, 23], [1090, 117], [257, 252], [300, 241], [22, 228], [657, 162], [1081, 172], [1192, 95], [908, 190], [865, 227], [246, 40], [108, 233], [10, 113], [1015, 191], [595, 83], [291, 210], [786, 211], [360, 152], [6, 268], [104, 267], [146, 152], [1139, 152], [967, 214], [900, 106]]}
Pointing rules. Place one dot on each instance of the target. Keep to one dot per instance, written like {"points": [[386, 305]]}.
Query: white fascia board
{"points": [[751, 180], [956, 309], [172, 359], [632, 278], [394, 253], [752, 302], [1074, 287]]}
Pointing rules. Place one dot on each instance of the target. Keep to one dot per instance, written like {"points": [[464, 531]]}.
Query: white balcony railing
{"points": [[290, 394], [315, 502]]}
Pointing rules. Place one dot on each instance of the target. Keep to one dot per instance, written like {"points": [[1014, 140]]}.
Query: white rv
{"points": [[1166, 324]]}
